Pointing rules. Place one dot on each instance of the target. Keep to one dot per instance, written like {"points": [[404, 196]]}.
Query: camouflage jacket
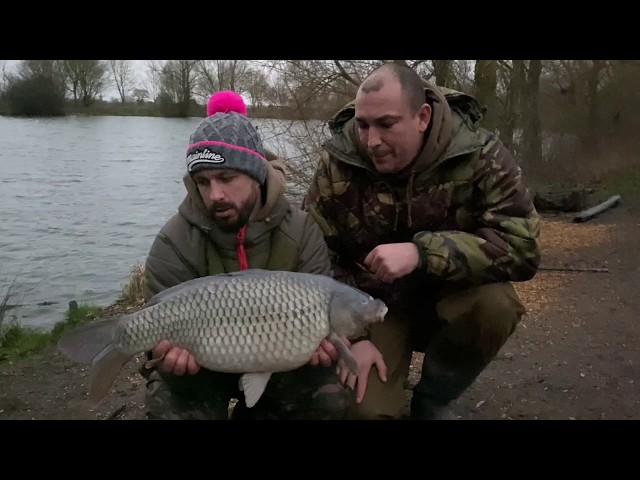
{"points": [[463, 202]]}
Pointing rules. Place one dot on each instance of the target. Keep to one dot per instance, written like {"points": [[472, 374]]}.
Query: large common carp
{"points": [[254, 322]]}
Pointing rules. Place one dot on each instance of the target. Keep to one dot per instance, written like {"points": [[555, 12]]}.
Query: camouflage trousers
{"points": [[460, 333], [309, 393]]}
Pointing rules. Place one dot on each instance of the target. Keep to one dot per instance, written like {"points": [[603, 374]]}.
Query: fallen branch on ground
{"points": [[593, 211], [575, 269]]}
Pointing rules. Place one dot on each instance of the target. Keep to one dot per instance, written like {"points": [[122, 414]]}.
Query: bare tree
{"points": [[579, 82], [513, 102], [178, 80], [565, 74], [216, 75], [486, 91], [278, 94], [618, 97], [463, 75], [594, 78], [123, 77], [306, 87], [257, 87], [532, 137], [45, 68], [325, 85], [140, 94], [50, 69], [152, 82], [443, 72], [85, 79], [4, 76], [321, 85]]}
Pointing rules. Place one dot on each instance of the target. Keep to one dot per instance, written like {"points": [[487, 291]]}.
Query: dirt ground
{"points": [[575, 354]]}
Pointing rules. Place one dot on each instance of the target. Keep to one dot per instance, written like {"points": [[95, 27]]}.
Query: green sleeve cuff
{"points": [[422, 256]]}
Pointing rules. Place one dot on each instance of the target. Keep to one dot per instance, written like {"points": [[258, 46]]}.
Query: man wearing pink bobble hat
{"points": [[234, 217]]}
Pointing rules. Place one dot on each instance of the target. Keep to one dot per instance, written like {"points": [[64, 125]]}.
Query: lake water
{"points": [[81, 200]]}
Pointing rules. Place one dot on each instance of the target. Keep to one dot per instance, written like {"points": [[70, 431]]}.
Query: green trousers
{"points": [[460, 333]]}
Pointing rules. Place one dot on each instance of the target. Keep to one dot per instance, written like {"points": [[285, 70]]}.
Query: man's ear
{"points": [[424, 116]]}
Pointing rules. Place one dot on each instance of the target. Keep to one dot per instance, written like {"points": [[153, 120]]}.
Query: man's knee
{"points": [[500, 300], [483, 316], [498, 312]]}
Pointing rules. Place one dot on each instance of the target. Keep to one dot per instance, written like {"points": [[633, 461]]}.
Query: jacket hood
{"points": [[453, 130]]}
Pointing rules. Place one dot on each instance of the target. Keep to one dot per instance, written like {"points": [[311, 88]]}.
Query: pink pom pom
{"points": [[226, 101]]}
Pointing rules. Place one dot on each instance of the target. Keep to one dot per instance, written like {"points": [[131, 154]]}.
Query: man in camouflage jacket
{"points": [[429, 212]]}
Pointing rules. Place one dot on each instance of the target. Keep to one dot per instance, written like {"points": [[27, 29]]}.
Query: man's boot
{"points": [[438, 386]]}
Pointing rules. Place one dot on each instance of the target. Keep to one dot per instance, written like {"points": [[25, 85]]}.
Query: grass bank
{"points": [[18, 342]]}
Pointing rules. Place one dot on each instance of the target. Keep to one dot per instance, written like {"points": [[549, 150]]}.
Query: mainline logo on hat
{"points": [[227, 140], [204, 156]]}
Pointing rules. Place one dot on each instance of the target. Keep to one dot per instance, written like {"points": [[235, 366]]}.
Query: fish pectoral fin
{"points": [[150, 364], [345, 354], [106, 367], [253, 385]]}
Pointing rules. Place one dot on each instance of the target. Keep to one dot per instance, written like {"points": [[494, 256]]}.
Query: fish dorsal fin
{"points": [[345, 354], [253, 385], [170, 292], [195, 282]]}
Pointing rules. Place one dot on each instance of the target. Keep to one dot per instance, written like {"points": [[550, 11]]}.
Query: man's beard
{"points": [[235, 223]]}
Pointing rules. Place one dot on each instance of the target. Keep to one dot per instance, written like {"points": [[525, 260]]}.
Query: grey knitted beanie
{"points": [[227, 140]]}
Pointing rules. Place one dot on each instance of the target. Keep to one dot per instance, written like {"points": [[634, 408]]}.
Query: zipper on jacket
{"points": [[240, 249]]}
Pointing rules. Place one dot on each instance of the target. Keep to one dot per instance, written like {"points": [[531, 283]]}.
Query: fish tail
{"points": [[93, 342]]}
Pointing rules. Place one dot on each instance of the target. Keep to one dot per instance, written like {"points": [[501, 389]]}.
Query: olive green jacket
{"points": [[278, 237]]}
